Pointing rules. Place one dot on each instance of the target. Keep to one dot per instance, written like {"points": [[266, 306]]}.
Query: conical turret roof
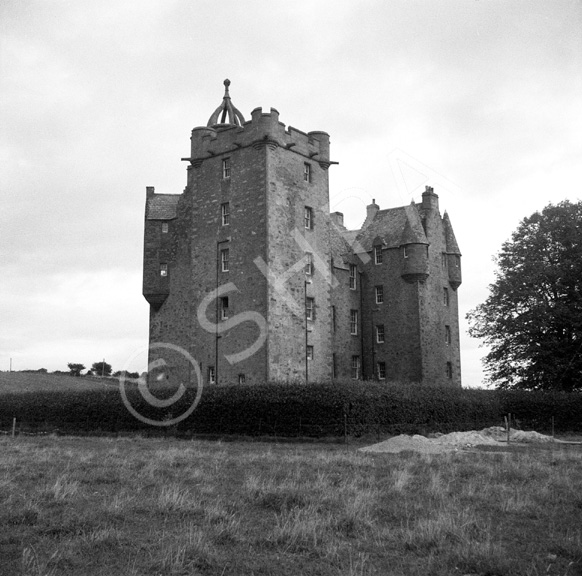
{"points": [[451, 241]]}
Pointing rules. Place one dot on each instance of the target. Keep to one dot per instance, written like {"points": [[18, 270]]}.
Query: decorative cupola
{"points": [[453, 254], [414, 247], [226, 109]]}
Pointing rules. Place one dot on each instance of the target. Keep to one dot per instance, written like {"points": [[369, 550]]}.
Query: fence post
{"points": [[346, 428]]}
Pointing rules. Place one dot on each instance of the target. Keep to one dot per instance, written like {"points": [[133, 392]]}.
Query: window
{"points": [[310, 352], [457, 261], [165, 227], [355, 367], [333, 366], [405, 251], [211, 375], [163, 269], [224, 260], [309, 308], [353, 276], [380, 333], [379, 294], [377, 254], [445, 296], [224, 308], [309, 264], [449, 370], [447, 335], [353, 322], [226, 168], [333, 317], [307, 172], [444, 261], [241, 379], [225, 213], [381, 370], [308, 218]]}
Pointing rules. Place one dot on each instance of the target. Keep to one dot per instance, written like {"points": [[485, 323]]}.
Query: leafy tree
{"points": [[75, 369], [532, 318], [101, 368]]}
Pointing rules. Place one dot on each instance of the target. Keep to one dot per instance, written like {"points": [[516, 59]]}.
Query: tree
{"points": [[101, 368], [75, 369], [532, 318]]}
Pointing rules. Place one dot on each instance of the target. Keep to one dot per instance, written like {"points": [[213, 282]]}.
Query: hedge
{"points": [[294, 410]]}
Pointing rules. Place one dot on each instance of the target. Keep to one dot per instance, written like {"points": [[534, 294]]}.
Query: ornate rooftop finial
{"points": [[235, 118]]}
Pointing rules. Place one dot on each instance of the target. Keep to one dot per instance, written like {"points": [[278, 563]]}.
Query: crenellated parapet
{"points": [[263, 129]]}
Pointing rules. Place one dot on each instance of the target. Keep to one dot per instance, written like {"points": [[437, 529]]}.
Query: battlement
{"points": [[263, 129]]}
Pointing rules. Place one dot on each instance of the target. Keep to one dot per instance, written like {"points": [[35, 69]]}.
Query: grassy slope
{"points": [[29, 382], [138, 507]]}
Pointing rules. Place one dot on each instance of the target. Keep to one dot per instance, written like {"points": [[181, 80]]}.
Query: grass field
{"points": [[11, 382], [134, 506]]}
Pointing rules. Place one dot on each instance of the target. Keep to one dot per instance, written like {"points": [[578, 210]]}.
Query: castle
{"points": [[248, 271]]}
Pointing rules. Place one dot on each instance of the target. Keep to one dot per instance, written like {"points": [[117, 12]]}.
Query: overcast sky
{"points": [[480, 99]]}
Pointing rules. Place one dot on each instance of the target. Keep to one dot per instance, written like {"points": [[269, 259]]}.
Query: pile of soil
{"points": [[455, 441]]}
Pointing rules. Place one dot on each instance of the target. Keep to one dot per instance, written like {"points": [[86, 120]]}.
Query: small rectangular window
{"points": [[333, 317], [449, 370], [163, 269], [211, 375], [377, 254], [224, 307], [225, 213], [226, 168], [241, 379], [381, 370], [310, 352], [380, 333], [307, 172], [333, 366], [445, 296], [309, 308], [309, 264], [165, 227], [447, 335], [379, 294], [457, 261], [405, 251], [444, 261], [353, 322], [224, 264], [353, 271], [355, 367], [308, 218]]}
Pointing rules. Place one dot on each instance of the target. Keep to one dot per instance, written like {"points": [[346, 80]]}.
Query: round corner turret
{"points": [[415, 262], [455, 274]]}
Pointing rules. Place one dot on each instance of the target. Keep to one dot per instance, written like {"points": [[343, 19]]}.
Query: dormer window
{"points": [[377, 254]]}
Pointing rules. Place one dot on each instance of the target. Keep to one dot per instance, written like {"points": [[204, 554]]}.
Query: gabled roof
{"points": [[394, 227], [162, 206], [340, 242]]}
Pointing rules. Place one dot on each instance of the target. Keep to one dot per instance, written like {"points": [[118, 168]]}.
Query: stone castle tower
{"points": [[249, 273]]}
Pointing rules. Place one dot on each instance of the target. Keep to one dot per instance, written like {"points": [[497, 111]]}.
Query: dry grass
{"points": [[165, 507]]}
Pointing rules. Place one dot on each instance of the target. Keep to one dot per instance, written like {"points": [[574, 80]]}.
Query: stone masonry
{"points": [[249, 273]]}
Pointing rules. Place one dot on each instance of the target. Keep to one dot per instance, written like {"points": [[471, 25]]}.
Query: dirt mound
{"points": [[494, 436]]}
